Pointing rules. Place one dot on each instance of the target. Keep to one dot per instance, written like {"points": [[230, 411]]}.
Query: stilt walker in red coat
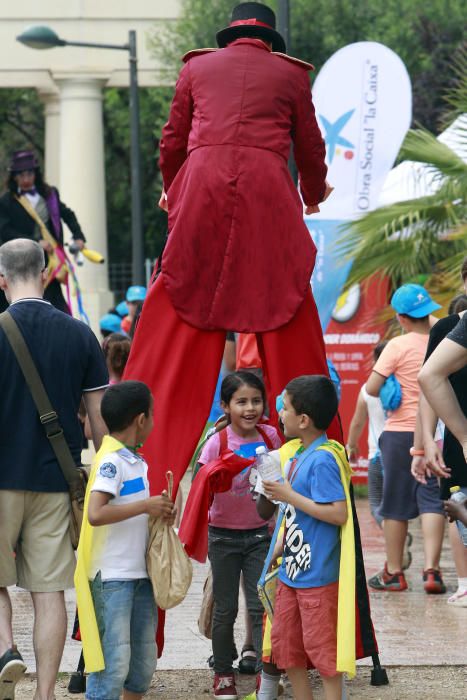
{"points": [[238, 255]]}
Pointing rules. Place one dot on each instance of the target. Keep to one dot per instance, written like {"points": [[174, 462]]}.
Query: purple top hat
{"points": [[23, 160]]}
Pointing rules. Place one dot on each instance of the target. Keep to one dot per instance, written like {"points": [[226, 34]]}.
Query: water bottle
{"points": [[458, 497], [269, 469]]}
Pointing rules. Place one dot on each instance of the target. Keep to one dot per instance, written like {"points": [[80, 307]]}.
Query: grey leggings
{"points": [[232, 552]]}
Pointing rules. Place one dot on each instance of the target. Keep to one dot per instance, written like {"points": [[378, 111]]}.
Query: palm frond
{"points": [[456, 97], [422, 147]]}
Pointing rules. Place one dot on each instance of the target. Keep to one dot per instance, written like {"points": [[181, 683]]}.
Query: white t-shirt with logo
{"points": [[119, 550]]}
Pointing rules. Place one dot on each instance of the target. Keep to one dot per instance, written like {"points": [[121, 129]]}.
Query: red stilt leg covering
{"points": [[181, 365], [292, 350]]}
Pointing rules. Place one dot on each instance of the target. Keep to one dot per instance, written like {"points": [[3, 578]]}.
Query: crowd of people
{"points": [[285, 534]]}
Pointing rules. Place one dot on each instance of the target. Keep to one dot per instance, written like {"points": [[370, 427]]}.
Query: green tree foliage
{"points": [[424, 34], [154, 107], [21, 123]]}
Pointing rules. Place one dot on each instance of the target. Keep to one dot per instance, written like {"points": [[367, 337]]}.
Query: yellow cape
{"points": [[346, 652], [92, 649]]}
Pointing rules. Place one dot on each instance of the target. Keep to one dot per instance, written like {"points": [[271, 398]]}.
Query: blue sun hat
{"points": [[110, 323], [122, 309], [136, 293], [413, 300]]}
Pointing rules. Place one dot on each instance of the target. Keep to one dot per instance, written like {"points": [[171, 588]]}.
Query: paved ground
{"points": [[413, 630], [406, 683]]}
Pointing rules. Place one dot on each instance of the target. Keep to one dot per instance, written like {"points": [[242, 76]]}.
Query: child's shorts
{"points": [[127, 619], [304, 629]]}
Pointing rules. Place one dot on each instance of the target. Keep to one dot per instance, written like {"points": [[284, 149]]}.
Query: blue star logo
{"points": [[333, 137]]}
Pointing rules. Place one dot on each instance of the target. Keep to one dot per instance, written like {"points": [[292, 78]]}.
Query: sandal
{"points": [[247, 663]]}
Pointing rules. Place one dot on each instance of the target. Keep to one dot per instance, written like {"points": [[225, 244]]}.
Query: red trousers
{"points": [[181, 363]]}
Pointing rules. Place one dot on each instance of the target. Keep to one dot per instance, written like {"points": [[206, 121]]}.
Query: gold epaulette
{"points": [[196, 52], [292, 59]]}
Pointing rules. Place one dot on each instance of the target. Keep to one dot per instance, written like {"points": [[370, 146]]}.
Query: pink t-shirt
{"points": [[403, 357], [236, 509]]}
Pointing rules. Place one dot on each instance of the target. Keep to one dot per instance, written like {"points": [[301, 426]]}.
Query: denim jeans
{"points": [[127, 619], [232, 552]]}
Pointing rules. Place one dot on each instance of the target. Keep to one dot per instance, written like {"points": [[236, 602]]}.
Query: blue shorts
{"points": [[404, 497], [127, 619]]}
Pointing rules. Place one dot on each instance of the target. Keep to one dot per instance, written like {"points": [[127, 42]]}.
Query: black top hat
{"points": [[23, 160], [252, 19]]}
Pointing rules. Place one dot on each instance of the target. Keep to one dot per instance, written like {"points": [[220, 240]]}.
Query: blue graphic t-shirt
{"points": [[311, 546]]}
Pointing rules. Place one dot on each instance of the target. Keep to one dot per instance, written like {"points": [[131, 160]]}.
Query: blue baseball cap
{"points": [[413, 300], [122, 309], [136, 293], [110, 323]]}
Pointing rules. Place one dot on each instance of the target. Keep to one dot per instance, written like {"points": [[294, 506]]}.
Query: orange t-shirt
{"points": [[403, 357]]}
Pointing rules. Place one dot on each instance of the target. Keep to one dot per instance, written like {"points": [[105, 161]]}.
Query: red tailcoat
{"points": [[239, 255]]}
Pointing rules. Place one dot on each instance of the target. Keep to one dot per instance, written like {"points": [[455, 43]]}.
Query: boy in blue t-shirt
{"points": [[304, 628]]}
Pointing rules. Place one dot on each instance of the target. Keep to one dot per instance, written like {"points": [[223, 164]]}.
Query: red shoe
{"points": [[224, 686], [384, 581], [433, 581]]}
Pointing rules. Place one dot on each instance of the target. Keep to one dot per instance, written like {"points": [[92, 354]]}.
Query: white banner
{"points": [[363, 102]]}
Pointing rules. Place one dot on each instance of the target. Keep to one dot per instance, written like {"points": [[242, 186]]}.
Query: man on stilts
{"points": [[238, 255]]}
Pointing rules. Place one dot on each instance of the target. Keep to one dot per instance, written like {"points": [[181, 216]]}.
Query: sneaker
{"points": [[12, 667], [407, 554], [224, 686], [384, 581], [433, 581], [459, 598]]}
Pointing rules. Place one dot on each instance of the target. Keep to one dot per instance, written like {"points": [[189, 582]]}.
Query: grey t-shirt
{"points": [[459, 333]]}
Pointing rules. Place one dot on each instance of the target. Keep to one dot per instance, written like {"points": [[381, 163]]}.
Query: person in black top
{"points": [[435, 379], [35, 545], [25, 182], [450, 464]]}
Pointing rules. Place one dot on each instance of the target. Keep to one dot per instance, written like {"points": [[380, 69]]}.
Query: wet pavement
{"points": [[412, 628]]}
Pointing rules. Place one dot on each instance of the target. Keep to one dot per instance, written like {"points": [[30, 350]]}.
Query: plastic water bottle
{"points": [[458, 497], [269, 469]]}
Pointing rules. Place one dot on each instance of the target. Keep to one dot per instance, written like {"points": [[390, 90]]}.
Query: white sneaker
{"points": [[12, 668], [459, 598]]}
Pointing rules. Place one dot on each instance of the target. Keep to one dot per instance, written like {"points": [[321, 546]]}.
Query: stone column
{"points": [[82, 178], [51, 101]]}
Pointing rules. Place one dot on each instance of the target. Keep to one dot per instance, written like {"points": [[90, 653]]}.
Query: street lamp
{"points": [[40, 37], [283, 17]]}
